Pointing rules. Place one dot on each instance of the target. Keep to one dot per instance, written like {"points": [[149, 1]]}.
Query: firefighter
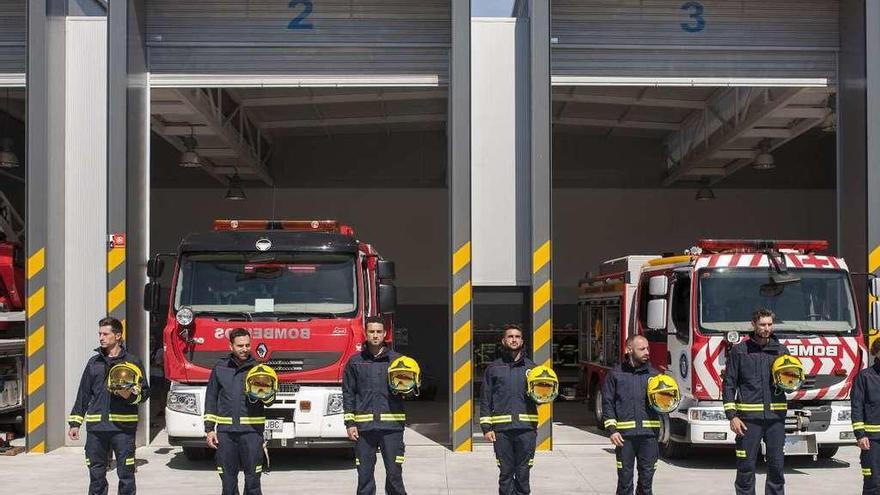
{"points": [[633, 425], [239, 389], [111, 388], [866, 421], [755, 406], [374, 416], [508, 418]]}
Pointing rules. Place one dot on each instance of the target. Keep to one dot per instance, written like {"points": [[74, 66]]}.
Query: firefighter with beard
{"points": [[756, 406], [508, 418], [866, 421], [629, 418], [238, 392], [110, 390], [374, 416]]}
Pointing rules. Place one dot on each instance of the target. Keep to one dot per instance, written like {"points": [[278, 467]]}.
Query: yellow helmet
{"points": [[404, 376], [123, 376], [542, 384], [261, 382], [663, 393], [788, 373]]}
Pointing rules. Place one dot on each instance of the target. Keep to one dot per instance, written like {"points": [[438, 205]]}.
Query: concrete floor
{"points": [[582, 462]]}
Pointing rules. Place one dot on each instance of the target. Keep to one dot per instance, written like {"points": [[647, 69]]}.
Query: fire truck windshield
{"points": [[820, 302], [261, 283]]}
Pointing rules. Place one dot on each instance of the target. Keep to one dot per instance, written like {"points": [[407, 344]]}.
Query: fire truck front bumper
{"points": [[707, 425]]}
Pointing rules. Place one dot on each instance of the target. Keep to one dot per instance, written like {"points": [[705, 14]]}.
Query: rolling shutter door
{"points": [[13, 42]]}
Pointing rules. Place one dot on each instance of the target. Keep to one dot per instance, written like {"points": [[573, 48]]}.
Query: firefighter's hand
{"points": [[124, 393], [212, 440], [489, 436], [865, 443], [73, 433], [617, 439], [353, 433], [738, 427]]}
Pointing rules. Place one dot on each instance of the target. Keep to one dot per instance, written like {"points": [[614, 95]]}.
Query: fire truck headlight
{"points": [[707, 415], [184, 316], [334, 404], [845, 415], [183, 402]]}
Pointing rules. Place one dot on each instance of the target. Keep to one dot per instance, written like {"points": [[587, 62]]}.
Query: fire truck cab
{"points": [[693, 307], [302, 289]]}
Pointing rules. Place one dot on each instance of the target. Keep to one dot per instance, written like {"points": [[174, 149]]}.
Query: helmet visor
{"points": [[789, 379], [261, 387], [122, 377], [403, 381], [544, 391], [665, 401]]}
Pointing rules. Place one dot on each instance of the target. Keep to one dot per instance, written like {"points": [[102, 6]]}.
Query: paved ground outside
{"points": [[430, 469]]}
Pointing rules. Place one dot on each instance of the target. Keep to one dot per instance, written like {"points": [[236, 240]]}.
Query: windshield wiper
{"points": [[303, 314], [245, 314]]}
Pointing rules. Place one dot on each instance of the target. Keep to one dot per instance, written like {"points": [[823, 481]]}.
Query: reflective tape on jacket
{"points": [[626, 425], [529, 418], [778, 406], [73, 418], [362, 418], [93, 418], [749, 407], [220, 420], [252, 420], [651, 423], [729, 406], [741, 453], [123, 418], [494, 420], [610, 422], [392, 417]]}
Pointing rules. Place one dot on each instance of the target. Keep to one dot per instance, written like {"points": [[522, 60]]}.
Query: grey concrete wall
{"points": [[590, 226]]}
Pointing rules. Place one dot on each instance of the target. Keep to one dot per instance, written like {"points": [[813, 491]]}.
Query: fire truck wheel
{"points": [[827, 452], [196, 453], [674, 450], [597, 406]]}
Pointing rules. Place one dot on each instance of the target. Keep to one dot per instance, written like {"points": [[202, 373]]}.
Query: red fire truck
{"points": [[12, 316], [302, 289], [692, 308]]}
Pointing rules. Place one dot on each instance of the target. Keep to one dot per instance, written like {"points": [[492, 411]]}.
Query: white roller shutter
{"points": [[13, 42], [732, 41], [291, 43]]}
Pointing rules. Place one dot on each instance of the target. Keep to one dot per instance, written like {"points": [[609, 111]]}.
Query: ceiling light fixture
{"points": [[190, 158], [234, 192], [764, 160]]}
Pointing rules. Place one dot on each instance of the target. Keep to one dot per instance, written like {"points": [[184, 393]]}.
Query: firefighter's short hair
{"points": [[875, 347], [111, 322], [238, 332], [511, 326], [763, 313], [374, 320]]}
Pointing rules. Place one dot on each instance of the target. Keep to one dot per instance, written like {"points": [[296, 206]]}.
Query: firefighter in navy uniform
{"points": [[238, 391], [865, 398], [755, 406], [627, 415], [110, 390], [508, 418], [374, 415]]}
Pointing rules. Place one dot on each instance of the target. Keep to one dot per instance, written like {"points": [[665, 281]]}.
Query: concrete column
{"points": [[67, 108]]}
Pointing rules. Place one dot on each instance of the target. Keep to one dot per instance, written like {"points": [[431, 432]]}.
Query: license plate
{"points": [[275, 424], [798, 445]]}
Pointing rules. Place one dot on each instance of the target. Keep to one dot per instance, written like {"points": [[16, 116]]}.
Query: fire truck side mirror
{"points": [[152, 292], [385, 270], [155, 267], [658, 286], [875, 315], [657, 314], [387, 299]]}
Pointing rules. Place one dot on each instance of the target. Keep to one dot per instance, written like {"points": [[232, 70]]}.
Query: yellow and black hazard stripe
{"points": [[542, 337], [116, 283], [462, 369], [36, 351]]}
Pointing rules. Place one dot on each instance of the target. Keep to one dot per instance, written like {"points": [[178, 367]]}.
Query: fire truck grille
{"points": [[291, 361]]}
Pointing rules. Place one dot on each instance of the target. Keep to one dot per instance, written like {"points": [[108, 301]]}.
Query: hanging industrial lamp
{"points": [[764, 160], [8, 158], [190, 158], [234, 192]]}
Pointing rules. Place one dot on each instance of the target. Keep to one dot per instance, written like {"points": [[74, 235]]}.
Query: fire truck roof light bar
{"points": [[288, 225], [752, 245]]}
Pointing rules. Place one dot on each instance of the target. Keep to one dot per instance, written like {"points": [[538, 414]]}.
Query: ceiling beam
{"points": [[735, 154], [169, 107], [177, 143], [622, 124], [723, 138], [352, 121], [630, 101], [767, 132], [794, 112], [277, 101]]}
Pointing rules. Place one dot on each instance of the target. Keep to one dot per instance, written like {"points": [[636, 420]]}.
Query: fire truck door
{"points": [[679, 335]]}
